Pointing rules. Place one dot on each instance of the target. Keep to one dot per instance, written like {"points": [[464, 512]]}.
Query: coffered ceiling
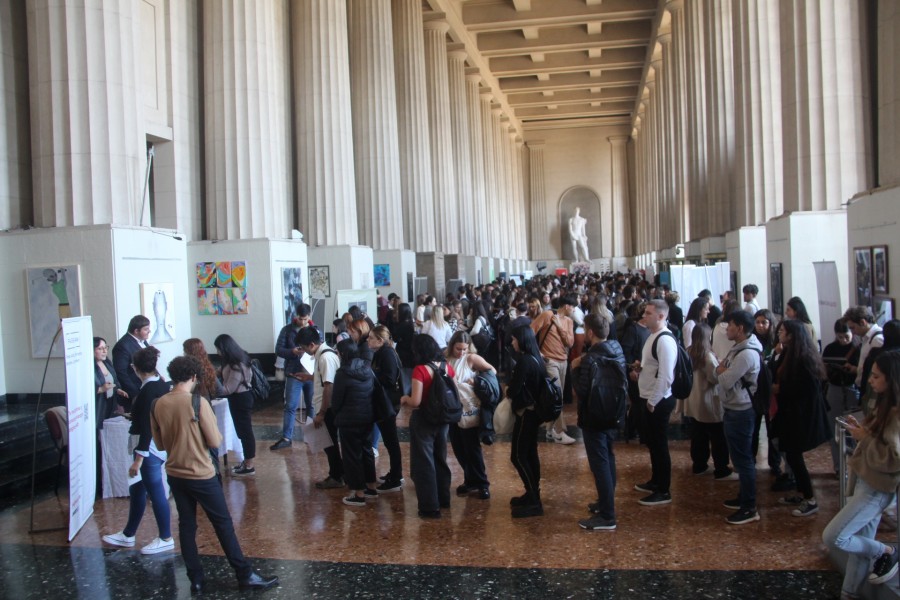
{"points": [[557, 62]]}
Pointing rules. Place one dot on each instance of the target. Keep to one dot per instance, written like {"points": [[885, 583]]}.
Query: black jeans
{"points": [[656, 427], [428, 463], [358, 456], [801, 474], [466, 445], [598, 444], [208, 493], [333, 453], [524, 453], [706, 437], [391, 440], [240, 406]]}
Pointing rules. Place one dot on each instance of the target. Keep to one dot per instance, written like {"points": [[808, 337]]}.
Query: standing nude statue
{"points": [[578, 234]]}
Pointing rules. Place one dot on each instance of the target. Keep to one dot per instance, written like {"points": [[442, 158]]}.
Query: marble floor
{"points": [[322, 548]]}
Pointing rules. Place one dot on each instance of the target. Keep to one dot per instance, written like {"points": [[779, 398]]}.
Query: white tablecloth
{"points": [[116, 460], [230, 440]]}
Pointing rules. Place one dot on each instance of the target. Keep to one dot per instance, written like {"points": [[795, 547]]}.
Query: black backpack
{"points": [[548, 401], [605, 406], [259, 384], [684, 372], [442, 406], [762, 397]]}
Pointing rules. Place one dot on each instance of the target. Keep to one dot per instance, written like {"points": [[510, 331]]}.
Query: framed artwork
{"points": [[734, 284], [776, 288], [320, 282], [158, 305], [291, 291], [221, 288], [884, 310], [382, 275], [54, 293], [863, 260], [880, 269], [410, 289]]}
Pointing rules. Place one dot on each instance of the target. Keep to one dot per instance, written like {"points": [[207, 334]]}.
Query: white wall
{"points": [[401, 262], [872, 220], [746, 252], [350, 268], [577, 157]]}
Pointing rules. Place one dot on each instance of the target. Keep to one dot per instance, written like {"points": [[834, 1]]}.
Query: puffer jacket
{"points": [[351, 398], [613, 387]]}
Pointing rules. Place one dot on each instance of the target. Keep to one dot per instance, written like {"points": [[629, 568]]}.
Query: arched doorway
{"points": [[589, 202]]}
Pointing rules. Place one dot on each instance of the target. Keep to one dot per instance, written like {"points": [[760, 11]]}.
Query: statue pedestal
{"points": [[582, 268]]}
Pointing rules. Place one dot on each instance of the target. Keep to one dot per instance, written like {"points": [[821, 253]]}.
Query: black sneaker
{"points": [[791, 500], [370, 494], [529, 510], [519, 500], [464, 490], [885, 568], [484, 494], [594, 508], [656, 499], [597, 523], [257, 582], [329, 483], [281, 444], [354, 500], [647, 488], [807, 508], [733, 504], [783, 483], [743, 516], [243, 471], [389, 487]]}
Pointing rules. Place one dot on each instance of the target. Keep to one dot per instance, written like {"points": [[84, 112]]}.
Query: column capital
{"points": [[535, 144], [664, 38], [457, 51], [474, 76], [436, 22], [617, 140], [674, 6]]}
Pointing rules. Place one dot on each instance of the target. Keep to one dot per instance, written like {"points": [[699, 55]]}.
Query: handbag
{"points": [[381, 403], [504, 418], [471, 415]]}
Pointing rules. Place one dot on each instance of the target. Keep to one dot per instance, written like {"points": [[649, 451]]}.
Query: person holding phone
{"points": [[875, 465]]}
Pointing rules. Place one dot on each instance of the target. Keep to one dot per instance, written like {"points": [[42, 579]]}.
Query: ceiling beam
{"points": [[620, 78], [501, 16], [565, 39]]}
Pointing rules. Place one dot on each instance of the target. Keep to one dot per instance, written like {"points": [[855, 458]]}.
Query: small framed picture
{"points": [[863, 261], [884, 310], [880, 269], [776, 288]]}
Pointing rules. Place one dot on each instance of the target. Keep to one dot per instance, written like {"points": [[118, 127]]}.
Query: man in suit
{"points": [[131, 342]]}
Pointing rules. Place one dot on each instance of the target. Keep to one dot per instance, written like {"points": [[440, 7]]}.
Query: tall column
{"points": [[888, 93], [446, 215], [501, 145], [325, 168], [621, 219], [462, 151], [87, 139], [540, 248], [524, 204], [412, 125], [698, 210], [476, 145], [680, 150], [15, 143], [376, 152], [248, 178], [826, 150], [490, 172]]}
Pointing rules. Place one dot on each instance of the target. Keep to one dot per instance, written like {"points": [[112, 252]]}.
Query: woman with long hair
{"points": [[387, 368], [437, 327], [465, 436], [765, 329], [107, 387], [801, 421], [697, 313], [404, 332], [876, 466], [526, 379], [705, 408], [359, 332], [208, 385], [764, 325], [796, 309], [841, 393], [481, 327], [427, 442], [534, 308], [148, 461], [236, 377]]}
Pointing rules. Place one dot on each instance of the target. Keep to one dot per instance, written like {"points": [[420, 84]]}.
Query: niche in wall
{"points": [[589, 202]]}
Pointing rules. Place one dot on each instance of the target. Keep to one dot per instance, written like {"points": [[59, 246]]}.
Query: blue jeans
{"points": [[739, 426], [852, 530], [293, 389], [151, 483], [598, 444]]}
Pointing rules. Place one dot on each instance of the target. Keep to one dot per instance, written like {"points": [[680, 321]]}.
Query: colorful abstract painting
{"points": [[382, 275], [224, 301], [239, 304], [206, 275], [206, 302], [239, 274], [223, 274]]}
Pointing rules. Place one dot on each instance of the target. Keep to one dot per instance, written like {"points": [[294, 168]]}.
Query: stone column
{"points": [[698, 209], [87, 139], [888, 93], [376, 152], [412, 125], [490, 173], [446, 215], [325, 168], [540, 248], [462, 151], [15, 143], [525, 205], [504, 198], [248, 177], [621, 219], [680, 149], [476, 145], [824, 103]]}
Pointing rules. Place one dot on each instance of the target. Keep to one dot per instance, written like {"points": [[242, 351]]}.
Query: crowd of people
{"points": [[617, 345]]}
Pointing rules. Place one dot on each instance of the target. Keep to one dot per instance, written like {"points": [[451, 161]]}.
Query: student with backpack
{"points": [[600, 385], [528, 374], [428, 438], [237, 377]]}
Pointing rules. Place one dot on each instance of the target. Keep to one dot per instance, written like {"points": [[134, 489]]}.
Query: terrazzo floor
{"points": [[323, 549]]}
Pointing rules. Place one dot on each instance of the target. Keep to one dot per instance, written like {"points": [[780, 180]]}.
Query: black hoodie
{"points": [[351, 398]]}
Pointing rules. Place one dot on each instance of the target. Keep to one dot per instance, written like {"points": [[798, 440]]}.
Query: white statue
{"points": [[578, 234]]}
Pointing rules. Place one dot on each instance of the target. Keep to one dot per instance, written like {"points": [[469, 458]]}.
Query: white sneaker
{"points": [[158, 545], [563, 438], [119, 539], [550, 437]]}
